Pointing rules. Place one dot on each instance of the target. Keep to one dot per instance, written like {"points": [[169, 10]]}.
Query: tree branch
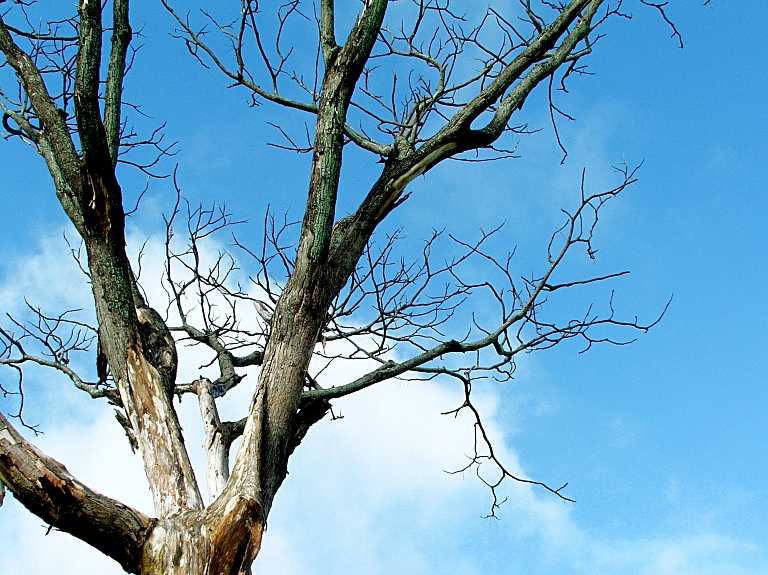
{"points": [[121, 38], [56, 144], [46, 488], [194, 39], [407, 163], [91, 196], [523, 315], [327, 33], [91, 130], [338, 84], [216, 447]]}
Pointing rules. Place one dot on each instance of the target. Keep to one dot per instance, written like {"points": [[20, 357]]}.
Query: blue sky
{"points": [[663, 442]]}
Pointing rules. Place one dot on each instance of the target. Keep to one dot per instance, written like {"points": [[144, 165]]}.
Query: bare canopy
{"points": [[412, 83]]}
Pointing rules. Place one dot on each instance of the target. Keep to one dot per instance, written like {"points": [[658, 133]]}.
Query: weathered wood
{"points": [[216, 446], [47, 489]]}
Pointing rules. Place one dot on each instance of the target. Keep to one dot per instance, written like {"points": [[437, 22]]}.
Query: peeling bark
{"points": [[221, 541], [174, 489]]}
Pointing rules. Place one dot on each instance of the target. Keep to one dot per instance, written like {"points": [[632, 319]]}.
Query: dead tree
{"points": [[457, 82]]}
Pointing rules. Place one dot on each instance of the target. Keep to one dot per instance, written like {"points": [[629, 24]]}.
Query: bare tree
{"points": [[326, 291]]}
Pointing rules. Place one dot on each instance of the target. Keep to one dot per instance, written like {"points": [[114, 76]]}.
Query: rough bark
{"points": [[315, 281]]}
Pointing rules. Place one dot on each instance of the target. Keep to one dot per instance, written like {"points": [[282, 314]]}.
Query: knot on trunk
{"points": [[158, 345]]}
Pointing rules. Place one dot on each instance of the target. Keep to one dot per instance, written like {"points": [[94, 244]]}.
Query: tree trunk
{"points": [[223, 540]]}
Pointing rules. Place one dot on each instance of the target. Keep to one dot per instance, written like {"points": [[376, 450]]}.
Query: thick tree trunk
{"points": [[223, 540]]}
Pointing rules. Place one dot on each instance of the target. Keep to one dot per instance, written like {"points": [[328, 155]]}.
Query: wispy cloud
{"points": [[45, 275]]}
